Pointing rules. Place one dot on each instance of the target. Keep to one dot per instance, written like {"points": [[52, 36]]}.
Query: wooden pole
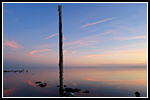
{"points": [[61, 88]]}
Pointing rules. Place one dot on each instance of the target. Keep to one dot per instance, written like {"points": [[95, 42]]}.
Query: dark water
{"points": [[101, 82]]}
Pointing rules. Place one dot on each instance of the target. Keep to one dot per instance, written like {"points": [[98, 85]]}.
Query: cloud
{"points": [[45, 46], [87, 41], [90, 41], [116, 53], [17, 19], [21, 58], [131, 29], [32, 30], [11, 44], [90, 56], [97, 22], [39, 51], [33, 52], [52, 36], [130, 38], [44, 50], [8, 11], [72, 43], [73, 52], [65, 51], [74, 84]]}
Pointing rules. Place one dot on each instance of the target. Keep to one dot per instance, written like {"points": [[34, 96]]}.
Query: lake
{"points": [[100, 82]]}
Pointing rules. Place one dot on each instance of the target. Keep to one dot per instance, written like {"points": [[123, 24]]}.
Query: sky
{"points": [[94, 34]]}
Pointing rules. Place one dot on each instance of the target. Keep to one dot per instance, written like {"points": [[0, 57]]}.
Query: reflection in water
{"points": [[100, 82], [8, 92]]}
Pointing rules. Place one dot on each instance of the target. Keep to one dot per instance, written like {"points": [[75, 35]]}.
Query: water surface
{"points": [[101, 82]]}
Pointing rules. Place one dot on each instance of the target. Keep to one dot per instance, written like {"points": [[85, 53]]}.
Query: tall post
{"points": [[61, 88]]}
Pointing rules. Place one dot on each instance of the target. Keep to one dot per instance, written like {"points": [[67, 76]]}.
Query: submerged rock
{"points": [[42, 84], [72, 90], [20, 71], [77, 90], [137, 94], [59, 85], [86, 91], [69, 89], [37, 82], [69, 94], [6, 71]]}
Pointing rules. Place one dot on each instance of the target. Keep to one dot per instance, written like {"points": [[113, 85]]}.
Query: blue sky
{"points": [[95, 34]]}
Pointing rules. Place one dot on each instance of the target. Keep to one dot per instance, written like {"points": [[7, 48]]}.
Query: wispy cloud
{"points": [[45, 46], [42, 50], [83, 42], [65, 51], [32, 30], [17, 19], [11, 44], [116, 53], [110, 32], [73, 52], [74, 84], [91, 41], [72, 43], [32, 52], [89, 24], [8, 11], [52, 36], [130, 38]]}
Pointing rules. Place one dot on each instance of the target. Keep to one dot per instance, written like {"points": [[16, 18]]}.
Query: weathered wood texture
{"points": [[61, 88]]}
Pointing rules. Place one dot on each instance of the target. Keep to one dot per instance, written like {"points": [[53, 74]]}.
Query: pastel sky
{"points": [[94, 34]]}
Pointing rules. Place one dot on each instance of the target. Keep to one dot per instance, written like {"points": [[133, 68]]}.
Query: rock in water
{"points": [[42, 84], [77, 90], [38, 82], [69, 94], [87, 91], [137, 94], [69, 90]]}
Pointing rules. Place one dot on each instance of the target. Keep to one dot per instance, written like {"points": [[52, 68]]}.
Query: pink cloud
{"points": [[44, 50], [115, 53], [87, 41], [39, 51], [11, 44], [45, 46], [72, 43], [74, 84], [130, 38], [52, 36], [33, 52], [65, 51], [97, 22], [91, 79], [21, 58], [89, 56], [64, 38], [73, 52]]}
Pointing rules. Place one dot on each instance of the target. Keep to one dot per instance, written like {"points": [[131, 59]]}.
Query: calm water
{"points": [[101, 82]]}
